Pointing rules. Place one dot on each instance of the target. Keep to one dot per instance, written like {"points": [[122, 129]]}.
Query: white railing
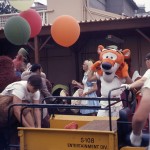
{"points": [[43, 14]]}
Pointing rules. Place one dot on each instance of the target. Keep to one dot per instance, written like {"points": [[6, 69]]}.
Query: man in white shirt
{"points": [[25, 92], [141, 114]]}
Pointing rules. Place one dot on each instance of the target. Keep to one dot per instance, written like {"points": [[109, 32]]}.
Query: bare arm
{"points": [[91, 76], [93, 89], [25, 75], [44, 89], [142, 112], [74, 82], [94, 68], [17, 111], [37, 114], [138, 83]]}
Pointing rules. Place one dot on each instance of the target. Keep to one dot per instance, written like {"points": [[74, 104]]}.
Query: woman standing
{"points": [[88, 90]]}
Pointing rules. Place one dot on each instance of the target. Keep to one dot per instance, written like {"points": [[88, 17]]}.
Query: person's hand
{"points": [[84, 94], [126, 86], [74, 82], [80, 92], [135, 139]]}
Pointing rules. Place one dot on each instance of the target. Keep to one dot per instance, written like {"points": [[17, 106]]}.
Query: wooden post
{"points": [[36, 49]]}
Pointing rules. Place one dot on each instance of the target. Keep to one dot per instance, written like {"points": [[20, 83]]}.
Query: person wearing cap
{"points": [[18, 93], [26, 59], [21, 62], [141, 114]]}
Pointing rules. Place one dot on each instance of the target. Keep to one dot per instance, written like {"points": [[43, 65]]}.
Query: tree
{"points": [[6, 8]]}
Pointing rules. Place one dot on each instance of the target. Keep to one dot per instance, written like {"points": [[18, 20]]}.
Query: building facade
{"points": [[64, 64]]}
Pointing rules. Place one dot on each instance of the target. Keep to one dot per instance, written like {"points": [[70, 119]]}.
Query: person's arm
{"points": [[45, 92], [141, 114], [138, 83], [140, 117], [17, 111], [37, 114], [49, 85], [25, 75], [44, 89], [79, 85], [43, 75], [91, 76], [92, 71], [93, 89]]}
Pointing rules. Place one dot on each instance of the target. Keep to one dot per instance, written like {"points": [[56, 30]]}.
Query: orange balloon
{"points": [[65, 30]]}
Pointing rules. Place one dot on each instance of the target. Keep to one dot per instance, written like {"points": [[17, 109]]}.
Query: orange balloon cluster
{"points": [[65, 30]]}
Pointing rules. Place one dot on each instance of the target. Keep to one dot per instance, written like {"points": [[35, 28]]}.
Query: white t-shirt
{"points": [[147, 74], [147, 82], [19, 89]]}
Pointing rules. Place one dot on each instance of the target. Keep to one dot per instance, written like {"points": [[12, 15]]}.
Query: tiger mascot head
{"points": [[111, 62]]}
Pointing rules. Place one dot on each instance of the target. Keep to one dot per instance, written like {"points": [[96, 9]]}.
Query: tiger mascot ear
{"points": [[123, 69], [96, 66], [126, 53], [100, 49]]}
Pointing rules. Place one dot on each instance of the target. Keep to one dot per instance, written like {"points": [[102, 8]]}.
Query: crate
{"points": [[93, 134], [65, 139]]}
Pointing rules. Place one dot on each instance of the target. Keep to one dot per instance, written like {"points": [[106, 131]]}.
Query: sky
{"points": [[41, 1], [144, 2], [139, 2]]}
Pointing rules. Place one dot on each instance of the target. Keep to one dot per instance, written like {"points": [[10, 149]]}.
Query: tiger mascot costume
{"points": [[112, 71]]}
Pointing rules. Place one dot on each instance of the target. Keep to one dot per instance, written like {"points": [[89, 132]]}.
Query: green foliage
{"points": [[6, 8]]}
